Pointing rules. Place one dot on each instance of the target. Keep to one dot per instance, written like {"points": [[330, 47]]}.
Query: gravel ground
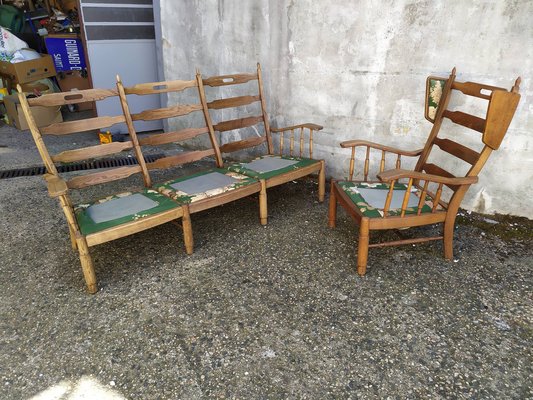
{"points": [[258, 312]]}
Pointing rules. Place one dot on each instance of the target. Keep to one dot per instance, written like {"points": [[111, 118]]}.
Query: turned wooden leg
{"points": [[322, 181], [448, 238], [263, 207], [332, 215], [86, 264], [362, 248], [187, 231]]}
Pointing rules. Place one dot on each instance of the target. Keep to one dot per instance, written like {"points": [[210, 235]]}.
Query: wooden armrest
{"points": [[395, 174], [56, 186], [357, 143], [313, 127]]}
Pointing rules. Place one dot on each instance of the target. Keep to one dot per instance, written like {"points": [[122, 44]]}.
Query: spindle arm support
{"points": [[313, 127]]}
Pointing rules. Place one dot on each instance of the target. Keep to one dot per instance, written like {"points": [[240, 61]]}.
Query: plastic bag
{"points": [[9, 43]]}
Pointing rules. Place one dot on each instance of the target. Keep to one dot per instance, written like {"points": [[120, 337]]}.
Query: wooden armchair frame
{"points": [[251, 187], [293, 135], [82, 238], [430, 208]]}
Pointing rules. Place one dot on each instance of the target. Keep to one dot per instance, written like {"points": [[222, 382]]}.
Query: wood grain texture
{"points": [[232, 102], [475, 89], [178, 159], [224, 80], [172, 137], [466, 120], [242, 144], [237, 123], [98, 178], [160, 87], [166, 112], [89, 124], [457, 149], [74, 97], [85, 153], [499, 116]]}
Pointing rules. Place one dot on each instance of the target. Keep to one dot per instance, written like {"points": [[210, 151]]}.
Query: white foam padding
{"points": [[120, 207], [376, 198], [268, 164], [203, 183]]}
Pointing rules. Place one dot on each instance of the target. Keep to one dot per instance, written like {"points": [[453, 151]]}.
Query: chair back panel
{"points": [[500, 106], [238, 102], [72, 127], [174, 111]]}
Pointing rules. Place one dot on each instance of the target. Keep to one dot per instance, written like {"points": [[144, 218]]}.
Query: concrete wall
{"points": [[358, 68]]}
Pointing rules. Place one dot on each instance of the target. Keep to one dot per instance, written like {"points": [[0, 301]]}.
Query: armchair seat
{"points": [[370, 197]]}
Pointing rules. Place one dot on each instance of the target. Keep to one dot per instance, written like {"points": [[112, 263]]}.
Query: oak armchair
{"points": [[402, 198]]}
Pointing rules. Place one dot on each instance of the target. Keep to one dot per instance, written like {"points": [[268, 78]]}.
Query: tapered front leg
{"points": [[332, 215], [362, 247]]}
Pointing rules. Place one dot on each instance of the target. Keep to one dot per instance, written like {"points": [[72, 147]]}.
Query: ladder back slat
{"points": [[172, 137], [237, 123], [242, 144], [92, 152], [458, 150], [66, 128], [232, 102], [178, 159], [160, 87], [466, 120], [166, 112], [474, 89], [73, 97], [102, 177], [225, 80]]}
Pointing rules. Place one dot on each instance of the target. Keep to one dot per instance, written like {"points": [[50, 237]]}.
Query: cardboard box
{"points": [[74, 80], [28, 71], [43, 115]]}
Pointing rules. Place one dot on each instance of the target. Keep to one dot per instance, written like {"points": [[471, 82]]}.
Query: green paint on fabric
{"points": [[167, 190], [368, 210]]}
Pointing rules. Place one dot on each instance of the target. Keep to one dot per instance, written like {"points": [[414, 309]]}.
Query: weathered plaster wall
{"points": [[359, 68]]}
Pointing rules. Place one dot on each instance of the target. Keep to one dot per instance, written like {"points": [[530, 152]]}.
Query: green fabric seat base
{"points": [[350, 188], [241, 168], [169, 191], [88, 226]]}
